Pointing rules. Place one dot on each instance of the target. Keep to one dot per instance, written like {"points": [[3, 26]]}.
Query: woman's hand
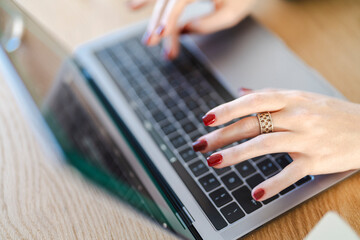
{"points": [[164, 20], [321, 134]]}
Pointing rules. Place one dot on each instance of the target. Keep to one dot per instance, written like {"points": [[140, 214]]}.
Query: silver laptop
{"points": [[126, 118]]}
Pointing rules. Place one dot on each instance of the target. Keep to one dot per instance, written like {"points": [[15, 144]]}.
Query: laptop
{"points": [[126, 118]]}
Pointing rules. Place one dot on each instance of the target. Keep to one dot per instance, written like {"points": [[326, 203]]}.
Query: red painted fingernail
{"points": [[185, 29], [245, 89], [214, 159], [259, 193], [160, 30], [166, 54], [146, 38], [199, 145], [208, 119]]}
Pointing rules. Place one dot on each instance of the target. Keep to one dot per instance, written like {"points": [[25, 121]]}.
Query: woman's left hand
{"points": [[320, 133]]}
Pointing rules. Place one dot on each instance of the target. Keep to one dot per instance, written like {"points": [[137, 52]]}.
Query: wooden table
{"points": [[41, 198]]}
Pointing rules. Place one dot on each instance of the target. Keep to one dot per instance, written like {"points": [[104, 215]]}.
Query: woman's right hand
{"points": [[164, 21]]}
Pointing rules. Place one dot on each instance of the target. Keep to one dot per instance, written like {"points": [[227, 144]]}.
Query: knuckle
{"points": [[299, 95], [255, 98], [263, 142]]}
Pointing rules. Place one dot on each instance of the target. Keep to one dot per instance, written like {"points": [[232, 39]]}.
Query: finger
{"points": [[288, 176], [246, 105], [244, 91], [171, 46], [137, 4], [169, 20], [261, 145], [149, 37], [211, 23], [247, 127], [224, 17]]}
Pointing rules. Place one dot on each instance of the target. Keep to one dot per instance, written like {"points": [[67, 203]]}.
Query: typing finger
{"points": [[247, 127], [261, 145], [246, 105], [169, 20], [150, 38], [288, 176]]}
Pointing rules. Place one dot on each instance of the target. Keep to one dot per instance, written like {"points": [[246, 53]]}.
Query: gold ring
{"points": [[265, 122]]}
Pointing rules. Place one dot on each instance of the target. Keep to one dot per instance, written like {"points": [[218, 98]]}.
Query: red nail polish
{"points": [[185, 29], [160, 30], [146, 38], [199, 145], [245, 89], [208, 119], [259, 193], [214, 159]]}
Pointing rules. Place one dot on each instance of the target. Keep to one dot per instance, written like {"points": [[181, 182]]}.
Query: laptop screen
{"points": [[42, 79]]}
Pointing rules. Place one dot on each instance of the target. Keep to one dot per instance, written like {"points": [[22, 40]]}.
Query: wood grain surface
{"points": [[41, 198]]}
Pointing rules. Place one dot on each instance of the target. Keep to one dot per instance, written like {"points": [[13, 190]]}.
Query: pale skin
{"points": [[320, 133]]}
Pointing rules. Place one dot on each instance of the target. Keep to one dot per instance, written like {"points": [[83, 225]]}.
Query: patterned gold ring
{"points": [[265, 122]]}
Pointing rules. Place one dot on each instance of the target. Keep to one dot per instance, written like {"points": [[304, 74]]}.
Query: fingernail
{"points": [[208, 119], [259, 193], [199, 145], [214, 159], [160, 30], [146, 38], [185, 29], [168, 55], [243, 91]]}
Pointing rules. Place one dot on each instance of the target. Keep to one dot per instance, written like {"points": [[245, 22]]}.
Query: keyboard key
{"points": [[177, 141], [303, 180], [191, 104], [244, 198], [209, 182], [267, 167], [202, 90], [211, 103], [188, 154], [167, 127], [188, 127], [255, 180], [170, 103], [283, 160], [231, 180], [245, 168], [150, 105], [220, 197], [288, 189], [269, 200], [221, 171], [141, 93], [257, 159], [195, 136], [198, 168], [232, 212], [160, 91], [178, 114], [159, 116], [183, 93]]}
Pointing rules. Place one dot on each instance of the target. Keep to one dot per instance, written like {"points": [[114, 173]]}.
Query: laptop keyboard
{"points": [[170, 99]]}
